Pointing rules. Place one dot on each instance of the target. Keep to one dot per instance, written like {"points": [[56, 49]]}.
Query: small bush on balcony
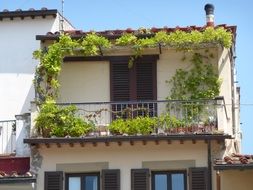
{"points": [[138, 125], [60, 121]]}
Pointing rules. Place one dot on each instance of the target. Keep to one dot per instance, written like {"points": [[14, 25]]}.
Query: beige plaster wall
{"points": [[85, 82], [236, 179], [124, 157], [224, 67]]}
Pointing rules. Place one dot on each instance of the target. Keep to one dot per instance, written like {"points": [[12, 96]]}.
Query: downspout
{"points": [[209, 9], [209, 165], [232, 58], [218, 180]]}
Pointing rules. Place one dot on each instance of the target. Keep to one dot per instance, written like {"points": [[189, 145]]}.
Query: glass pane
{"points": [[160, 182], [91, 183], [74, 183], [177, 181]]}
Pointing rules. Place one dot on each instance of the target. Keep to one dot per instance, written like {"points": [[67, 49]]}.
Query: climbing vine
{"points": [[200, 82], [46, 76]]}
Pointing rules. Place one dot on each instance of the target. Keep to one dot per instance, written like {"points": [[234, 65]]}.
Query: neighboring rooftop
{"points": [[15, 170], [32, 13], [235, 161]]}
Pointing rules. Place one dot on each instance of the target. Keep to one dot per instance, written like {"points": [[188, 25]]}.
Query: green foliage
{"points": [[60, 121], [92, 44], [126, 40], [168, 121], [180, 40], [200, 82], [138, 125]]}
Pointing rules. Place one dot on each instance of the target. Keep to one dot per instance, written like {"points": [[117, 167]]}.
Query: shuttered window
{"points": [[198, 178], [53, 180], [140, 179], [110, 179]]}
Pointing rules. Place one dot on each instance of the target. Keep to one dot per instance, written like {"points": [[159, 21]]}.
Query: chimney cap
{"points": [[209, 8]]}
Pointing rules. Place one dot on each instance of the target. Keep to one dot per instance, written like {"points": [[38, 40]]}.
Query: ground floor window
{"points": [[82, 181], [169, 180]]}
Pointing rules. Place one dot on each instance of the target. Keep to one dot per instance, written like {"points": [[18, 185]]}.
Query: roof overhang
{"points": [[17, 180], [131, 139], [233, 167], [29, 13]]}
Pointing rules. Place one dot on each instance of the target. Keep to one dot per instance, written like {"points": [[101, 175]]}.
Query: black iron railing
{"points": [[191, 116]]}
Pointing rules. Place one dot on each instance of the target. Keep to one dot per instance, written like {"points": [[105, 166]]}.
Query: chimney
{"points": [[209, 8]]}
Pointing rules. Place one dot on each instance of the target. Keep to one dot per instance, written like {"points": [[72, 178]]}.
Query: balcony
{"points": [[162, 120], [135, 118], [7, 137]]}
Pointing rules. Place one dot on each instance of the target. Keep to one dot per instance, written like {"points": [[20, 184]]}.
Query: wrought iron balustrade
{"points": [[193, 115]]}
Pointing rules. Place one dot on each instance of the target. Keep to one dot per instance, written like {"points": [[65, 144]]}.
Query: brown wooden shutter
{"points": [[146, 80], [140, 179], [111, 179], [198, 178], [53, 180], [120, 84], [136, 83]]}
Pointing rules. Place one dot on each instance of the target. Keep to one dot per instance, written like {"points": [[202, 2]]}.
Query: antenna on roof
{"points": [[62, 17]]}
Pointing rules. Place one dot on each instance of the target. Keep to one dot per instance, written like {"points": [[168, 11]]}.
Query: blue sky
{"points": [[118, 14]]}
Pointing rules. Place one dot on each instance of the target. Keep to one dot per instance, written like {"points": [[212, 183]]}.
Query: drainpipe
{"points": [[233, 88], [209, 8], [209, 165], [218, 180]]}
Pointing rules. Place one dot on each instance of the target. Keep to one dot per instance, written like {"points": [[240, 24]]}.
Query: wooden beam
{"points": [[58, 145], [47, 145], [94, 144], [82, 144], [71, 144]]}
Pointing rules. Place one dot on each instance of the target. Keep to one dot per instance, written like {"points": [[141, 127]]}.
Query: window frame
{"points": [[82, 176], [169, 179]]}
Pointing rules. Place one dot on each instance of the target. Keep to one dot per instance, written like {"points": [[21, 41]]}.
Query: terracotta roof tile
{"points": [[235, 159], [112, 34]]}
